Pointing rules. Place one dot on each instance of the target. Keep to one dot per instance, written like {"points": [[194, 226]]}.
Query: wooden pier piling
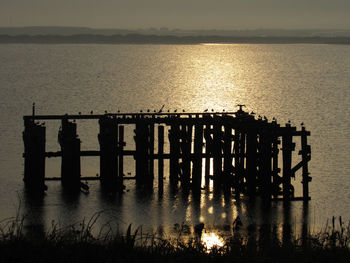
{"points": [[174, 140], [34, 155], [251, 159], [287, 148], [161, 158], [208, 146], [197, 159], [108, 139], [121, 145], [70, 147]]}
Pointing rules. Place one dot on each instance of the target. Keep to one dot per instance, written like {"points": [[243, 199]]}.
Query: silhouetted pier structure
{"points": [[235, 150]]}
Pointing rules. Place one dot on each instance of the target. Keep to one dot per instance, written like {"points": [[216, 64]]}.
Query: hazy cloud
{"points": [[228, 14]]}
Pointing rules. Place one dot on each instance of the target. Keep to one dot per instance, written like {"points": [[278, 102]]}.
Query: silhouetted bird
{"points": [[168, 110], [79, 113], [175, 110], [183, 110], [161, 109], [118, 111], [147, 110], [105, 112], [212, 109], [91, 112], [205, 110], [302, 124], [140, 110]]}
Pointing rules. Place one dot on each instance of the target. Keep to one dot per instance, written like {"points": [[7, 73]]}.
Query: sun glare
{"points": [[211, 240]]}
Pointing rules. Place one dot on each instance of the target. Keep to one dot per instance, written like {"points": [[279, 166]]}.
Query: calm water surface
{"points": [[301, 83]]}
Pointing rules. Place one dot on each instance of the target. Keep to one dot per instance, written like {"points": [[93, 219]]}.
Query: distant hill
{"points": [[69, 31], [158, 39], [62, 31]]}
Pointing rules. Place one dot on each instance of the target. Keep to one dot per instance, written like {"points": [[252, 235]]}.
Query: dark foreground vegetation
{"points": [[78, 244]]}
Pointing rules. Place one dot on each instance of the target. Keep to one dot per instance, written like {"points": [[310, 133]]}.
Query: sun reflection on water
{"points": [[211, 240]]}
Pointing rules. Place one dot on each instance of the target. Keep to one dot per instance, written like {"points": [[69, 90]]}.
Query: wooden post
{"points": [[34, 156], [121, 145], [160, 158], [227, 149], [186, 141], [142, 139], [228, 168], [197, 162], [306, 157], [287, 148], [108, 137], [275, 169], [151, 151], [70, 146], [236, 149], [252, 160], [208, 148], [265, 155], [242, 153], [174, 153], [217, 151]]}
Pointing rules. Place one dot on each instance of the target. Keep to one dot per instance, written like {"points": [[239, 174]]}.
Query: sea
{"points": [[296, 83]]}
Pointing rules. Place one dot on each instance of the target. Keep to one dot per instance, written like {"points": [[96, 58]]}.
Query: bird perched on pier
{"points": [[79, 113], [161, 109], [183, 110], [175, 110], [105, 112], [302, 124], [91, 112], [147, 110], [205, 110], [212, 109]]}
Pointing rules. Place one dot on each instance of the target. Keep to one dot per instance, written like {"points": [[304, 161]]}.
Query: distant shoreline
{"points": [[156, 39]]}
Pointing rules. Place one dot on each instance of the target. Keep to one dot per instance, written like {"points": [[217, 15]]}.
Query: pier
{"points": [[237, 152]]}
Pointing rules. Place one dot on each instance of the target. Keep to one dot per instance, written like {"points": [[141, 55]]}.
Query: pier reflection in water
{"points": [[176, 214]]}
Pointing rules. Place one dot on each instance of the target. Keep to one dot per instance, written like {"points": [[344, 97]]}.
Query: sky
{"points": [[182, 14]]}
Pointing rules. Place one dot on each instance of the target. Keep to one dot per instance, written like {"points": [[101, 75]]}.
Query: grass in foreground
{"points": [[78, 244]]}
